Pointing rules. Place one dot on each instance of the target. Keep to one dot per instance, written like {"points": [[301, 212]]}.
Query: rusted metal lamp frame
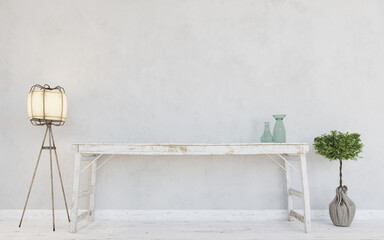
{"points": [[38, 121]]}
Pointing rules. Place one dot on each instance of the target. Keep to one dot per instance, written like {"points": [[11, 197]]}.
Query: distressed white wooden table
{"points": [[93, 152]]}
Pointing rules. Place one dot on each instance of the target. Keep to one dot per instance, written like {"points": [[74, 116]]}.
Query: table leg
{"points": [[75, 194], [304, 182], [91, 217], [289, 196]]}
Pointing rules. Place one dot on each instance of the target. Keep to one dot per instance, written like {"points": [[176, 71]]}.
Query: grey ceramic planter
{"points": [[342, 209]]}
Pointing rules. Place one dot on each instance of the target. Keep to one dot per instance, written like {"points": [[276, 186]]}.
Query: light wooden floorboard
{"points": [[167, 230]]}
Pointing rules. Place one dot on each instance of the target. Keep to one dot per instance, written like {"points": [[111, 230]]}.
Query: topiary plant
{"points": [[339, 146]]}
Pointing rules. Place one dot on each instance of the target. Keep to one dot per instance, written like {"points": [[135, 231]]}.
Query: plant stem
{"points": [[341, 175]]}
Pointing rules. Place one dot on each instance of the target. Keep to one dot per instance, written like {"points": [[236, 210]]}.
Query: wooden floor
{"points": [[110, 230]]}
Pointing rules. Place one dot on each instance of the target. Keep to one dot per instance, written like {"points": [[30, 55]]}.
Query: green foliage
{"points": [[339, 146]]}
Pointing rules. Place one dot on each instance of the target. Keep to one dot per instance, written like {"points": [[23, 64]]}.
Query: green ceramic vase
{"points": [[267, 136], [279, 129]]}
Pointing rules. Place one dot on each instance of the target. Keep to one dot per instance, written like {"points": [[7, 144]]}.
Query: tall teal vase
{"points": [[279, 129], [267, 136]]}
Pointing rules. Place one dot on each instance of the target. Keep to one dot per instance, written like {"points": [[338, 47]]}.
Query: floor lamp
{"points": [[47, 107]]}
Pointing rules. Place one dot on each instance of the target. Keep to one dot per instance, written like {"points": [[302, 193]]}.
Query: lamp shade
{"points": [[47, 104]]}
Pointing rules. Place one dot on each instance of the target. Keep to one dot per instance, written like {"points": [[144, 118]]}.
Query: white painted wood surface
{"points": [[92, 196], [191, 148], [75, 193], [304, 183], [98, 149], [289, 196], [191, 230]]}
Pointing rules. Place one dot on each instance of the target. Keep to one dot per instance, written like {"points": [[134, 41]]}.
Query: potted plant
{"points": [[338, 146]]}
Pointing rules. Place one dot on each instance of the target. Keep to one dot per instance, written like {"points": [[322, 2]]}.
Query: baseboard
{"points": [[185, 215]]}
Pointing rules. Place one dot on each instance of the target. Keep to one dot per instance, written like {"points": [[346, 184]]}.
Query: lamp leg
{"points": [[50, 164], [33, 177], [61, 180]]}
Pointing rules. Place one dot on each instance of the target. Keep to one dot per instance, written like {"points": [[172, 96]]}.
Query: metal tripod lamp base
{"points": [[51, 147]]}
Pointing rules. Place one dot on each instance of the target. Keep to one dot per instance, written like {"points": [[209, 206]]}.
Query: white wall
{"points": [[193, 71]]}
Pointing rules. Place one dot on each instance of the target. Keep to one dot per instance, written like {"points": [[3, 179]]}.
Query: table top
{"points": [[191, 148]]}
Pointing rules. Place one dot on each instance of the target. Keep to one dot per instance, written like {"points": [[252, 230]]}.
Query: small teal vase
{"points": [[279, 129], [267, 136]]}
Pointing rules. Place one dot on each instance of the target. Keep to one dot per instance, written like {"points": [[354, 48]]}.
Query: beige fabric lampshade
{"points": [[47, 105]]}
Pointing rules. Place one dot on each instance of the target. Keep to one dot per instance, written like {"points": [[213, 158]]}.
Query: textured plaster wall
{"points": [[193, 71]]}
